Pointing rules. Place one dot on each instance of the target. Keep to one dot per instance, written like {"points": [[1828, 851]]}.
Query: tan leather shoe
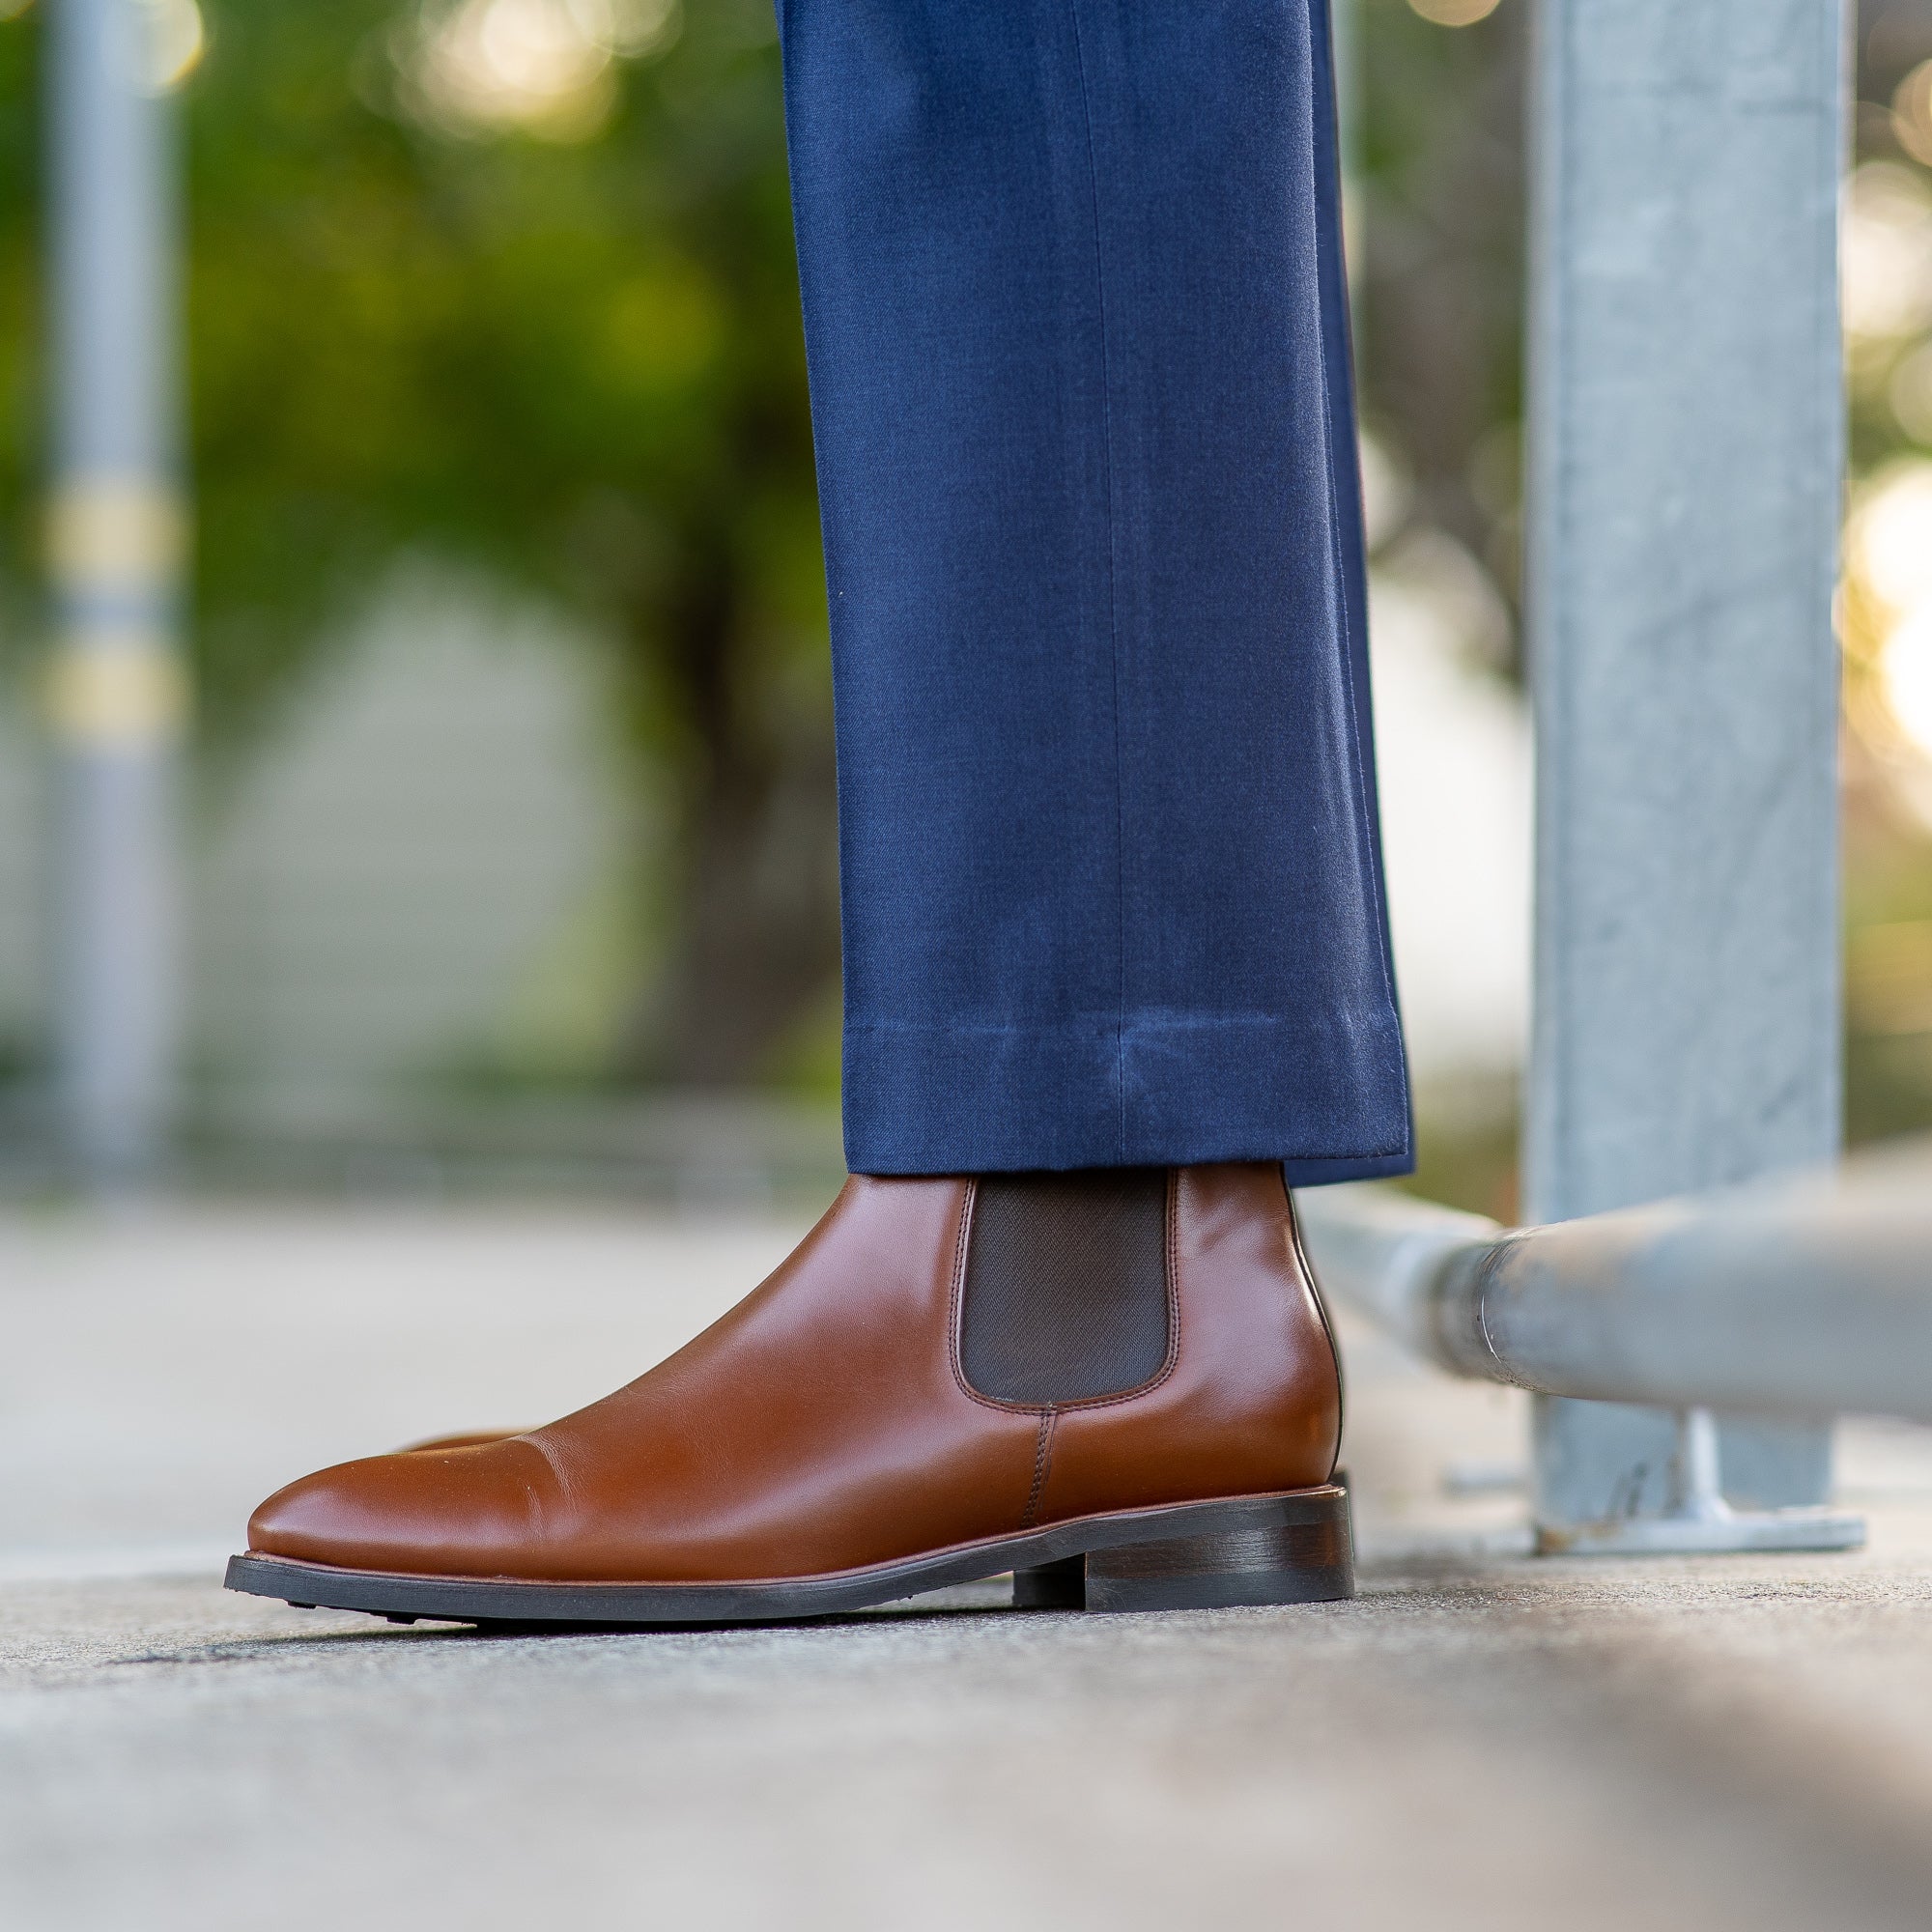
{"points": [[1121, 1386]]}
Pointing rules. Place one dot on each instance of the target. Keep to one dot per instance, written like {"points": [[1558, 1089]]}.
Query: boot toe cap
{"points": [[464, 1512]]}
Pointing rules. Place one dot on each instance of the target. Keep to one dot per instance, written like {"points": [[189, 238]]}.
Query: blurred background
{"points": [[509, 1039], [510, 813]]}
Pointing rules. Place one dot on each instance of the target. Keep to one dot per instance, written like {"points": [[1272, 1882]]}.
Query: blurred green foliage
{"points": [[575, 365]]}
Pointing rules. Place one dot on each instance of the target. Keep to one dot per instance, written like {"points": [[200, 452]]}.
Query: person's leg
{"points": [[1115, 949], [1074, 314]]}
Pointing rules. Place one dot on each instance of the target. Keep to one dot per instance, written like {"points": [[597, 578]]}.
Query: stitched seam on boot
{"points": [[1042, 1463]]}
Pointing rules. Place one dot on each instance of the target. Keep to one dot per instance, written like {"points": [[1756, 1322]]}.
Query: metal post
{"points": [[116, 541], [1686, 469]]}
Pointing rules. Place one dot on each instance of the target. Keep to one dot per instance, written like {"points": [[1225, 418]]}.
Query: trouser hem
{"points": [[1328, 1099]]}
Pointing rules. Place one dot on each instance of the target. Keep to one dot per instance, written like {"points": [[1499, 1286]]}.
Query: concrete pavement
{"points": [[1481, 1740]]}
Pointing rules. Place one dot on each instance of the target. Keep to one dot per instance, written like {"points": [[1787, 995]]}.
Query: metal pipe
{"points": [[1805, 1299], [117, 537]]}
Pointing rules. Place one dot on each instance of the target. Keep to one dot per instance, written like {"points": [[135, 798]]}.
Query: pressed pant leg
{"points": [[1077, 342]]}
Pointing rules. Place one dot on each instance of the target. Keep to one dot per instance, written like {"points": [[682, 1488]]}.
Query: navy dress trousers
{"points": [[1077, 336]]}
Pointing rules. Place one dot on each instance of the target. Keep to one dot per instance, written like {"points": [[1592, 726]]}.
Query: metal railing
{"points": [[1806, 1297], [1810, 1300]]}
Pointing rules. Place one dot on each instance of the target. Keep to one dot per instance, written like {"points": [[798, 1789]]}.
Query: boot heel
{"points": [[1052, 1586], [1290, 1551]]}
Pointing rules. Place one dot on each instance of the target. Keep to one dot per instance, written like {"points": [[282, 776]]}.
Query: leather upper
{"points": [[824, 1422]]}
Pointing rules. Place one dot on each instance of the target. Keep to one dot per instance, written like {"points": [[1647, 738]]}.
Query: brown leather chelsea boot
{"points": [[1120, 1385]]}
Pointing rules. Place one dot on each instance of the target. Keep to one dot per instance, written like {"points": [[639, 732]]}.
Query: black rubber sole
{"points": [[1294, 1547]]}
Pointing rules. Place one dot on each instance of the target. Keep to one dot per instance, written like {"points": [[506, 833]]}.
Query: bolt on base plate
{"points": [[1700, 1521]]}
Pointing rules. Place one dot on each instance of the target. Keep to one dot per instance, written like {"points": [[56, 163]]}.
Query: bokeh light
{"points": [[537, 67], [176, 40], [1455, 12], [1888, 253], [1891, 547], [1887, 614], [1910, 393], [1911, 113], [1905, 666]]}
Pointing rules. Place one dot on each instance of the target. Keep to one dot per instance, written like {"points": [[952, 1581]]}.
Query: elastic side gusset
{"points": [[1067, 1296]]}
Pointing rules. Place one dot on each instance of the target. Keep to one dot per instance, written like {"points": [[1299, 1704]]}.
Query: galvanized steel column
{"points": [[117, 532], [1687, 433]]}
